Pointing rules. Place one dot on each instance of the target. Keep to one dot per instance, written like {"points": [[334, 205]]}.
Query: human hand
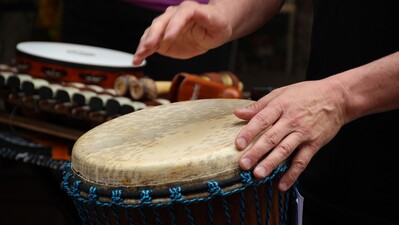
{"points": [[184, 31], [293, 120]]}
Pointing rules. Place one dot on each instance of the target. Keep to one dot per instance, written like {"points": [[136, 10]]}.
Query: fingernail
{"points": [[242, 143], [241, 109], [260, 172], [283, 186], [246, 163]]}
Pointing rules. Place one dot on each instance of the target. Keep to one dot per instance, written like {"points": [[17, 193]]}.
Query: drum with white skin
{"points": [[172, 164]]}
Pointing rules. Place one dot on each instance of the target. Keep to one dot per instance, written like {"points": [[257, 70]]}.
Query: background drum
{"points": [[69, 62], [172, 164]]}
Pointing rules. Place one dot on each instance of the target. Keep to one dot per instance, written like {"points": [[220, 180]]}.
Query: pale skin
{"points": [[292, 121]]}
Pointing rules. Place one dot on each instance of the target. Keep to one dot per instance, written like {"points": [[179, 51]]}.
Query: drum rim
{"points": [[76, 187], [77, 65]]}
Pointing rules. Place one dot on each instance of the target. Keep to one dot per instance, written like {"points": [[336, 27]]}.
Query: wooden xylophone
{"points": [[79, 105], [82, 106], [55, 92]]}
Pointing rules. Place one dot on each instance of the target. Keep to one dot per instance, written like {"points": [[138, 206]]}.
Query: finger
{"points": [[278, 155], [146, 47], [264, 143], [187, 11], [259, 122], [247, 112], [152, 36], [298, 164], [206, 17], [179, 24], [141, 52]]}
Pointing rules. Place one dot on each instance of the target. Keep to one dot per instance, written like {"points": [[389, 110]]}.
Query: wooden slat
{"points": [[40, 126]]}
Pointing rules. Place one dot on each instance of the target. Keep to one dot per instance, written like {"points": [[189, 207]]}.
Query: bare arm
{"points": [[192, 29], [371, 88], [247, 16], [307, 115]]}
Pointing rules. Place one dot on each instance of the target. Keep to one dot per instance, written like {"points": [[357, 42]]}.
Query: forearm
{"points": [[247, 15], [369, 89]]}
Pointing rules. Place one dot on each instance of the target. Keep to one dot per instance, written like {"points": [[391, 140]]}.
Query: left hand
{"points": [[296, 119]]}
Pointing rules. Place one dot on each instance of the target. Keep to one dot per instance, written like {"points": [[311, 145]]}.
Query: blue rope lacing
{"points": [[176, 196]]}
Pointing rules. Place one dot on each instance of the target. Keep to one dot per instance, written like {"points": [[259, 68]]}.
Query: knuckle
{"points": [[270, 138], [314, 146], [300, 164], [262, 120], [257, 154], [254, 106], [185, 3], [285, 150], [267, 165], [295, 121], [251, 134], [277, 107], [147, 44], [154, 20], [170, 8], [291, 177]]}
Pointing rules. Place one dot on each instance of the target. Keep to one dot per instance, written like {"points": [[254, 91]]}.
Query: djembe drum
{"points": [[172, 164]]}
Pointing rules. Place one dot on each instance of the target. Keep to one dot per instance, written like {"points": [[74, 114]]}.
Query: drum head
{"points": [[66, 62], [77, 54], [182, 143]]}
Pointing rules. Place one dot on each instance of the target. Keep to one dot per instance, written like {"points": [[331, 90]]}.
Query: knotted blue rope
{"points": [[118, 201], [215, 190], [92, 196], [175, 194], [82, 211], [145, 197], [176, 197], [246, 178]]}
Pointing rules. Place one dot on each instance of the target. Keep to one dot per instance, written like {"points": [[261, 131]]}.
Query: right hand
{"points": [[184, 31]]}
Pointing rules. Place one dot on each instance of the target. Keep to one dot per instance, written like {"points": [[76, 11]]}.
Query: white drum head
{"points": [[182, 143], [78, 54]]}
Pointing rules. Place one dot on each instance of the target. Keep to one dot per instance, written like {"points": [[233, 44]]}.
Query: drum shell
{"points": [[249, 207]]}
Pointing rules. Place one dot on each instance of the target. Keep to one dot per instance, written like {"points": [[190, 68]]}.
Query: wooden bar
{"points": [[40, 126]]}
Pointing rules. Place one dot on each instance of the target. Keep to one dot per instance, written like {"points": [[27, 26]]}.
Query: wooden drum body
{"points": [[172, 164]]}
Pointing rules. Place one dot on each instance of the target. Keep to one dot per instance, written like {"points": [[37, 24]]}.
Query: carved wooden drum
{"points": [[172, 164]]}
